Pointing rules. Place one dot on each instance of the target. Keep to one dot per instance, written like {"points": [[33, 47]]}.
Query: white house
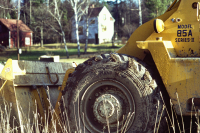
{"points": [[101, 26]]}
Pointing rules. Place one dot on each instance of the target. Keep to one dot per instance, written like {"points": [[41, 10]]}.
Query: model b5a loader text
{"points": [[118, 92]]}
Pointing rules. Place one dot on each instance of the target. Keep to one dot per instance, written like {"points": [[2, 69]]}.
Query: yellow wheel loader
{"points": [[118, 92]]}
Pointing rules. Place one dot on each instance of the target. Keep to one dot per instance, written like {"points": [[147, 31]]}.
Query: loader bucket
{"points": [[28, 89]]}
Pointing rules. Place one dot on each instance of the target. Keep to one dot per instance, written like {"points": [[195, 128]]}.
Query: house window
{"points": [[103, 28], [0, 28], [27, 40], [80, 30], [104, 17], [92, 22]]}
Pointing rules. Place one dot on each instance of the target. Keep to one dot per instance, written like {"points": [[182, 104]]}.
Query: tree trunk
{"points": [[30, 12], [61, 41], [87, 32], [4, 16], [64, 41], [24, 18], [140, 13], [48, 4], [41, 33], [56, 15], [77, 35]]}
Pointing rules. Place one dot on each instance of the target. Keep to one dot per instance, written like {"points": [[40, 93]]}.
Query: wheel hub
{"points": [[107, 106], [105, 109], [106, 102]]}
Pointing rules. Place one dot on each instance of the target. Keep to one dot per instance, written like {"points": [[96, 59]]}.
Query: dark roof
{"points": [[11, 24], [94, 12]]}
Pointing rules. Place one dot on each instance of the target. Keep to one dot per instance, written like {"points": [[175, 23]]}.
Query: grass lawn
{"points": [[34, 52]]}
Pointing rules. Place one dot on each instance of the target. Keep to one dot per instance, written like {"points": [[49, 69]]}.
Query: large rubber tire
{"points": [[106, 83]]}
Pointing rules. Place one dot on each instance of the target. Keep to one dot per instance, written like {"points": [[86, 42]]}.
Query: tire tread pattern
{"points": [[121, 63]]}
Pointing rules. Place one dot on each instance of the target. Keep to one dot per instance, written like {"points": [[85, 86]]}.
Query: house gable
{"points": [[11, 24], [105, 13], [96, 24], [8, 34], [106, 26]]}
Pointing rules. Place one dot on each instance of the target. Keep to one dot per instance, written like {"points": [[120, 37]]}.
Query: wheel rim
{"points": [[106, 101]]}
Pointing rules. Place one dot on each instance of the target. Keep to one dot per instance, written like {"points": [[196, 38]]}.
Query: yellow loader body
{"points": [[175, 52]]}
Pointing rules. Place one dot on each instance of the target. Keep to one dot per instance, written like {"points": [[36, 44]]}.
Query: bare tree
{"points": [[128, 29], [30, 11], [18, 17], [41, 23], [79, 8], [6, 7], [57, 15], [88, 13]]}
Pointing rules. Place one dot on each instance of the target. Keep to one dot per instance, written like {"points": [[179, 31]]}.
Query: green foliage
{"points": [[37, 2], [105, 3], [157, 7], [13, 15], [8, 15], [65, 15]]}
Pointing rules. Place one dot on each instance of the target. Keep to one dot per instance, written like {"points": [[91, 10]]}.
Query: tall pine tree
{"points": [[157, 7]]}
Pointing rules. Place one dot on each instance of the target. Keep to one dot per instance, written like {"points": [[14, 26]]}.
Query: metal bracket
{"points": [[47, 70]]}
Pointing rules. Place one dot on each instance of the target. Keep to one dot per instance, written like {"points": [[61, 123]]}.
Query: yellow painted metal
{"points": [[180, 75], [177, 56], [45, 99], [183, 32], [3, 84], [69, 71], [175, 51], [16, 80], [26, 104], [9, 104], [43, 104], [172, 5], [56, 115], [141, 34], [7, 72], [39, 104], [8, 94]]}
